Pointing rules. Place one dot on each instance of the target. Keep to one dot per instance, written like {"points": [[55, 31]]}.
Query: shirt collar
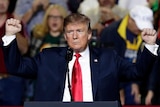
{"points": [[84, 53]]}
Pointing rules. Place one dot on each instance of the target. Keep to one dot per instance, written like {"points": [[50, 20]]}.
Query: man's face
{"points": [[4, 6], [77, 36]]}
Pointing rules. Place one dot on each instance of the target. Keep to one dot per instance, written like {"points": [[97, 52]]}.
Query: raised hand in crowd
{"points": [[149, 36]]}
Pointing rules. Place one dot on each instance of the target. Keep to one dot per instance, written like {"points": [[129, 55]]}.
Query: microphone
{"points": [[69, 54], [69, 58]]}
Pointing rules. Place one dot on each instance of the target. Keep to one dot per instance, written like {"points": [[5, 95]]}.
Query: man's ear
{"points": [[89, 35]]}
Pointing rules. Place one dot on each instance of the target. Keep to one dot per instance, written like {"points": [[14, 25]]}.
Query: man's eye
{"points": [[69, 32], [79, 30]]}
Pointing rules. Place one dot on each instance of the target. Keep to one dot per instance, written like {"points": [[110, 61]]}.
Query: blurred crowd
{"points": [[115, 24]]}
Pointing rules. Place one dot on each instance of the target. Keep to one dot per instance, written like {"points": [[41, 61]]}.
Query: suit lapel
{"points": [[94, 59], [62, 63]]}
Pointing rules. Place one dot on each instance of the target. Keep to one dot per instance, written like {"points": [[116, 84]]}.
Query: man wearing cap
{"points": [[124, 36]]}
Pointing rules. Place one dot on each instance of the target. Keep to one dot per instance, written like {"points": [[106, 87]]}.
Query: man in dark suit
{"points": [[102, 69]]}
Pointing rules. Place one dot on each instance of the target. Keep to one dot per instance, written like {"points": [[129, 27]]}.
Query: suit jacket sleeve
{"points": [[140, 70], [16, 64]]}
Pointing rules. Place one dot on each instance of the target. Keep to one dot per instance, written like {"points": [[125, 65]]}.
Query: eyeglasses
{"points": [[54, 17]]}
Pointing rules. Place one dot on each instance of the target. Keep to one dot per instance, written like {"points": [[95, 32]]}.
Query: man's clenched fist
{"points": [[13, 26]]}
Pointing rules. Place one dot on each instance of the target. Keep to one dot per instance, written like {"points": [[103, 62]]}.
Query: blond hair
{"points": [[40, 30]]}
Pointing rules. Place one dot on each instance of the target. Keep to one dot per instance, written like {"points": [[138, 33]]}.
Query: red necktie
{"points": [[77, 90]]}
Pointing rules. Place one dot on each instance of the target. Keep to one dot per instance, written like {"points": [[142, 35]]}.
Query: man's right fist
{"points": [[13, 26]]}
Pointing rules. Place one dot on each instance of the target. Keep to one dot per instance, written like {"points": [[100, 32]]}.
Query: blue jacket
{"points": [[50, 66]]}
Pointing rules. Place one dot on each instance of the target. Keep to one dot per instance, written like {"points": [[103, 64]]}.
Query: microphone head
{"points": [[69, 54]]}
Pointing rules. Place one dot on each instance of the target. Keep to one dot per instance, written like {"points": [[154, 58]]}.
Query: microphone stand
{"points": [[69, 84], [69, 58]]}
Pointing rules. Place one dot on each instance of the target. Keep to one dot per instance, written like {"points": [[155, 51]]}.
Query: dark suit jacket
{"points": [[50, 66]]}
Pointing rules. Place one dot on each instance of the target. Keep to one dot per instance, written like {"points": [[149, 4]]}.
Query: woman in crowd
{"points": [[50, 32]]}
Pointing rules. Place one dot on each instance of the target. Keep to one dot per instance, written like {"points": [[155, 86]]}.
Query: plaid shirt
{"points": [[36, 43]]}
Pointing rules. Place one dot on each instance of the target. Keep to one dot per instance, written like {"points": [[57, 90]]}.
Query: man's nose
{"points": [[75, 35]]}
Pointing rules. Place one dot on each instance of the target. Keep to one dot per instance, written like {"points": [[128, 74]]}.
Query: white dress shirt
{"points": [[84, 61]]}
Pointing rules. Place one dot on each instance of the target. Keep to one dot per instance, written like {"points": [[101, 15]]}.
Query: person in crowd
{"points": [[90, 8], [33, 11], [77, 72], [12, 88], [101, 12], [50, 32], [109, 12], [125, 37], [73, 5], [130, 4]]}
